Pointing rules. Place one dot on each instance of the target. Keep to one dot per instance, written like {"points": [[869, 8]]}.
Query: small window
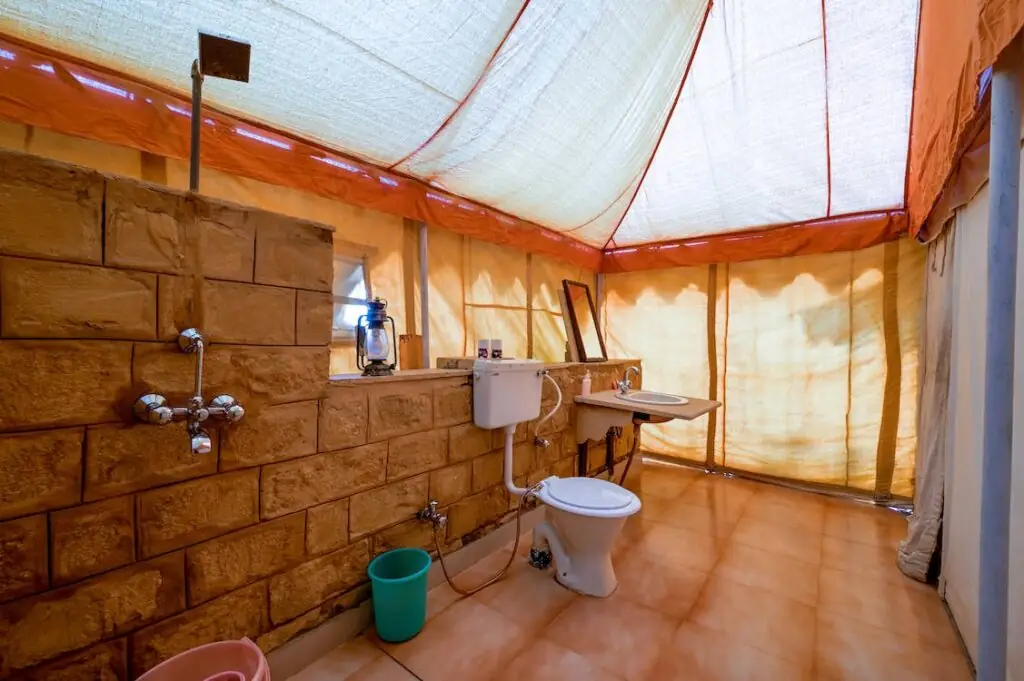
{"points": [[351, 292]]}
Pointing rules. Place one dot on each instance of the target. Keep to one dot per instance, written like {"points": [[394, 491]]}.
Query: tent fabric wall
{"points": [[960, 576], [811, 370], [918, 549], [957, 42]]}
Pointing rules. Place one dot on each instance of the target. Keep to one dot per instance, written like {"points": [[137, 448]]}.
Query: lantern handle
{"points": [[394, 339]]}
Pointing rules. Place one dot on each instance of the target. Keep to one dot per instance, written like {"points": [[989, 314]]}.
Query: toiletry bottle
{"points": [[585, 385], [495, 348], [483, 348]]}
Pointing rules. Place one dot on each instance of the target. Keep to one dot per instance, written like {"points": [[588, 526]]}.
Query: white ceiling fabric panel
{"points": [[871, 50], [746, 145], [552, 110], [375, 79], [566, 119]]}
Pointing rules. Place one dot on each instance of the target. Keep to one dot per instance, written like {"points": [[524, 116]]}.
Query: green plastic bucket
{"points": [[399, 582]]}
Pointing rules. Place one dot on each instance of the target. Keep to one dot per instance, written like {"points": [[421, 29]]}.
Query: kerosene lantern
{"points": [[373, 348]]}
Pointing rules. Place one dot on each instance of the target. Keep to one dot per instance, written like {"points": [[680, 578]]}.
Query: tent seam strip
{"points": [[664, 128]]}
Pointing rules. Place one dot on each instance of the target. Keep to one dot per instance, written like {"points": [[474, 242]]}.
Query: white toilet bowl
{"points": [[583, 518]]}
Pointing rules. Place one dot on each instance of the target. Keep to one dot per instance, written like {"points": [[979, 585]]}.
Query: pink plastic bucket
{"points": [[221, 661]]}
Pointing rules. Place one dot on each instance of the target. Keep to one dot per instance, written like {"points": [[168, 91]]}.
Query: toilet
{"points": [[583, 515]]}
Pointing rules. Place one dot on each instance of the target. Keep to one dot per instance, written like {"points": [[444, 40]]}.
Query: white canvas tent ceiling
{"points": [[557, 111]]}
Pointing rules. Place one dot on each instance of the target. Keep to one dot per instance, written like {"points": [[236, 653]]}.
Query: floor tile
{"points": [[439, 598], [613, 633], [849, 650], [679, 548], [724, 495], [775, 572], [705, 519], [667, 482], [670, 589], [381, 669], [864, 524], [783, 539], [528, 596], [772, 624], [805, 513], [545, 660], [911, 610], [699, 654], [342, 662], [866, 559], [467, 642]]}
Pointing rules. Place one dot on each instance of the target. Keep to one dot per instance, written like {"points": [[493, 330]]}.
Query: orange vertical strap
{"points": [[885, 461], [709, 452]]}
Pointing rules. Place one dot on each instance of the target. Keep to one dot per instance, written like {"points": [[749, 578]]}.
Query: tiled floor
{"points": [[719, 580]]}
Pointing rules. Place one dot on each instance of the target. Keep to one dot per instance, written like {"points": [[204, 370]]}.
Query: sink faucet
{"points": [[625, 385]]}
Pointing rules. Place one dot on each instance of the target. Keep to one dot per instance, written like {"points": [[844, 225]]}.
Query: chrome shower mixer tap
{"points": [[153, 408]]}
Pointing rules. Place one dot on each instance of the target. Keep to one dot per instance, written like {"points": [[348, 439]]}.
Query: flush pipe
{"points": [[510, 434]]}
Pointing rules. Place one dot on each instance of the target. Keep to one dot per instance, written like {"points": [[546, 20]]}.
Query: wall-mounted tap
{"points": [[625, 385], [432, 515], [153, 408]]}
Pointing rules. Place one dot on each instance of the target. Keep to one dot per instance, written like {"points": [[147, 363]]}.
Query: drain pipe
{"points": [[1004, 197]]}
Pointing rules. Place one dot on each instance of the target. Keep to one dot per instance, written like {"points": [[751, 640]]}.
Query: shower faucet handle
{"points": [[226, 407], [153, 408]]}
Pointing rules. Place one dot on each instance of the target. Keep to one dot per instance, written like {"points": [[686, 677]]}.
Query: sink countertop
{"points": [[695, 408]]}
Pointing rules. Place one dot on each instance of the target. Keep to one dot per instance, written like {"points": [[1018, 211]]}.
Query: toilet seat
{"points": [[589, 496]]}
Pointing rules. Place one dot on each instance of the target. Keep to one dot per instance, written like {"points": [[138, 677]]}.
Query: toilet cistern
{"points": [[153, 408]]}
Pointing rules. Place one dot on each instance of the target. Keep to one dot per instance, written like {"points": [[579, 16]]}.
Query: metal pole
{"points": [[424, 297], [197, 127], [1004, 195]]}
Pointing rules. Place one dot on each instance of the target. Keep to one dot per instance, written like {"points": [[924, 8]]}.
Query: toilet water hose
{"points": [[532, 491], [501, 573]]}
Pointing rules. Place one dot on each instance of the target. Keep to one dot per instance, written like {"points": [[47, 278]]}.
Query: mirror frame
{"points": [[574, 322]]}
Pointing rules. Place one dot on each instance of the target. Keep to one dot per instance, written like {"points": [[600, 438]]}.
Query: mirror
{"points": [[582, 316]]}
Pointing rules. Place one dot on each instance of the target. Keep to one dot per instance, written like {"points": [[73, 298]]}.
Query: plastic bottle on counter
{"points": [[585, 385]]}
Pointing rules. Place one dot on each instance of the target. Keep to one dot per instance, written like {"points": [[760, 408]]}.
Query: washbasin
{"points": [[651, 397]]}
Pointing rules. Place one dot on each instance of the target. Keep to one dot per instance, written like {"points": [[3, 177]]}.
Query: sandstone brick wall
{"points": [[120, 548]]}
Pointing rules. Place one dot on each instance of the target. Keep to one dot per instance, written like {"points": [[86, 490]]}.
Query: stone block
{"points": [[399, 408], [248, 313], [417, 453], [314, 317], [190, 512], [227, 311], [453, 403], [327, 527], [488, 471], [40, 471], [304, 587], [92, 379], [476, 511], [227, 238], [40, 627], [86, 540], [378, 508], [295, 485], [343, 418], [107, 661], [332, 607], [50, 210], [452, 483], [122, 459], [146, 227], [273, 433], [238, 614], [410, 534], [293, 253], [23, 561], [467, 441], [234, 560], [524, 433], [58, 300], [268, 375]]}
